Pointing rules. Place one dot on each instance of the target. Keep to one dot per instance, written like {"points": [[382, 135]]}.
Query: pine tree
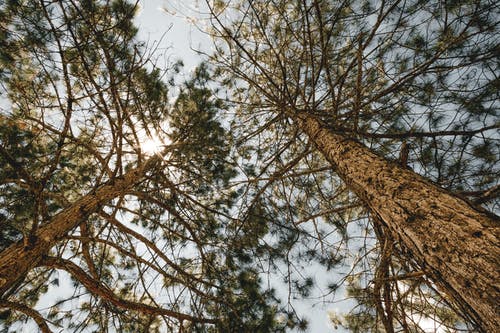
{"points": [[138, 235], [360, 79]]}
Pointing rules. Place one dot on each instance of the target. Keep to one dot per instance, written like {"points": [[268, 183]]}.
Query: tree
{"points": [[140, 235], [360, 79]]}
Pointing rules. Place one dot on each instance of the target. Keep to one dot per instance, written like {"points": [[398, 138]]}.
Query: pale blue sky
{"points": [[171, 19], [173, 22], [182, 37]]}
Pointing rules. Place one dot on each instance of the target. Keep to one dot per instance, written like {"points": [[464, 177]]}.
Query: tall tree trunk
{"points": [[19, 258], [456, 243]]}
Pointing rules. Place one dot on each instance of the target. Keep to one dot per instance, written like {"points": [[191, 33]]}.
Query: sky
{"points": [[168, 26], [177, 25], [169, 22], [172, 23]]}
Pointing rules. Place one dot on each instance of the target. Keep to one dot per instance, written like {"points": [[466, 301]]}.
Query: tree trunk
{"points": [[456, 243], [19, 258]]}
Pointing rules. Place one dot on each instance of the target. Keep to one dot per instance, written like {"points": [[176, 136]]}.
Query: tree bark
{"points": [[456, 243], [19, 258]]}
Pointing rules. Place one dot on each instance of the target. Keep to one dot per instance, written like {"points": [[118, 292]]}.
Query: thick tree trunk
{"points": [[456, 244], [18, 259]]}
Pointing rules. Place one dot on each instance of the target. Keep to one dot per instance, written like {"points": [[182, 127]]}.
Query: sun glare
{"points": [[153, 142], [152, 146]]}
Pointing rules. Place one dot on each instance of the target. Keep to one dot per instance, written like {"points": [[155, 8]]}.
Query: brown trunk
{"points": [[19, 258], [456, 243]]}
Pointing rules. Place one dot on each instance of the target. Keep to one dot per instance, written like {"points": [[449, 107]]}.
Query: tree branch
{"points": [[35, 315], [411, 134], [98, 289]]}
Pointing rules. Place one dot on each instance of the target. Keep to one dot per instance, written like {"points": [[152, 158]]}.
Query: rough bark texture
{"points": [[18, 259], [456, 243]]}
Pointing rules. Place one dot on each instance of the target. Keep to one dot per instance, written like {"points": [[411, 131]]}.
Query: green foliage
{"points": [[81, 98], [383, 73], [237, 199], [194, 122]]}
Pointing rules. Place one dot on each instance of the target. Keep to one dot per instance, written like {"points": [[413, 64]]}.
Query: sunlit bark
{"points": [[19, 258], [456, 243]]}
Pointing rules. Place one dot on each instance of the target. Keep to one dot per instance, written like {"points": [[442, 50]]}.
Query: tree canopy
{"points": [[109, 187], [133, 202], [413, 82]]}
